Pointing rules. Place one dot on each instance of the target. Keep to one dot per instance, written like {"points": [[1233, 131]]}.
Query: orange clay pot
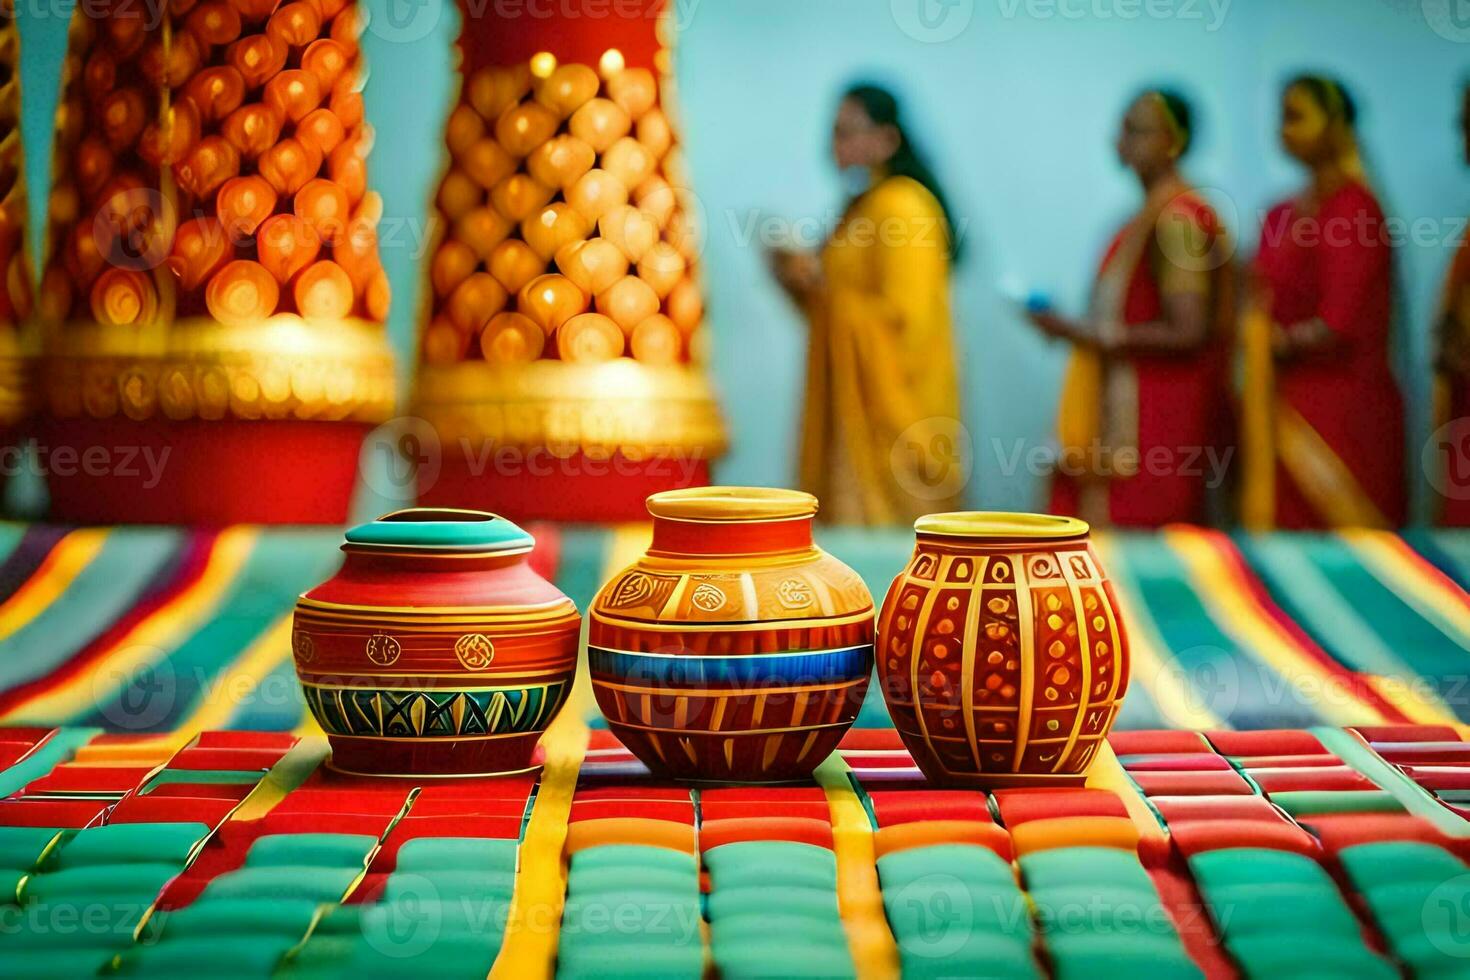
{"points": [[1000, 651], [735, 649]]}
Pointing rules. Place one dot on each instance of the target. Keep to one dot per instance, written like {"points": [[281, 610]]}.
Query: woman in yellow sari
{"points": [[881, 439]]}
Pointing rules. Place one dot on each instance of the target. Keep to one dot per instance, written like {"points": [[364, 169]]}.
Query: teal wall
{"points": [[1016, 101]]}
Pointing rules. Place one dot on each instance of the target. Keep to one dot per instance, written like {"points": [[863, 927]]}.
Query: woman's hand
{"points": [[799, 273], [1061, 328]]}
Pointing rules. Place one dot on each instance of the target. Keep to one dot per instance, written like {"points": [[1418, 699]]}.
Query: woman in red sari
{"points": [[1145, 405], [1324, 419]]}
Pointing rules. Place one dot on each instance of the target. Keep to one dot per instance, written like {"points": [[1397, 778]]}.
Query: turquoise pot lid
{"points": [[442, 529]]}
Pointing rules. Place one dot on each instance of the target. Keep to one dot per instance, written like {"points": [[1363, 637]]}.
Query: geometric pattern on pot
{"points": [[429, 713]]}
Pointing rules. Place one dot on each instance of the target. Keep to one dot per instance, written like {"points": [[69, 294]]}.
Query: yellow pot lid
{"points": [[999, 525], [732, 504]]}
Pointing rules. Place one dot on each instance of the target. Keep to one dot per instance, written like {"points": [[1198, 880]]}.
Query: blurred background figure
{"points": [[1452, 362], [1143, 423], [879, 428], [1323, 418]]}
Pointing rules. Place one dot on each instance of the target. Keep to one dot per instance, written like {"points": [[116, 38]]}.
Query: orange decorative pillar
{"points": [[213, 300], [563, 339], [15, 274]]}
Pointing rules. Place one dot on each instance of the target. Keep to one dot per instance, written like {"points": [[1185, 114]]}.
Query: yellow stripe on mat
{"points": [[66, 560], [1152, 665], [1239, 616], [1108, 773], [1388, 559], [1417, 701], [240, 678], [533, 927], [148, 641], [859, 896]]}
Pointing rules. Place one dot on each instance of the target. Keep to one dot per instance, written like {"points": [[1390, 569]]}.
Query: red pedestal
{"points": [[194, 472], [540, 486]]}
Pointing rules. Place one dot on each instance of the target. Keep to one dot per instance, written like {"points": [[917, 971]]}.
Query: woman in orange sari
{"points": [[881, 439], [1323, 417], [1452, 383], [1144, 420]]}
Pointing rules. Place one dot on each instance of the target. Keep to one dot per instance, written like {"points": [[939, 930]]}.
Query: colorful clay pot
{"points": [[734, 649], [1000, 651], [436, 649]]}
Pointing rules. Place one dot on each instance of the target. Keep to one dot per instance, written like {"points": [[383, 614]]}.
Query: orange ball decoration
{"points": [[243, 203], [464, 128], [553, 227], [252, 129], [629, 161], [324, 206], [242, 294], [634, 89], [293, 93], [589, 338], [327, 60], [655, 133], [550, 300], [487, 162], [493, 90], [123, 116], [289, 165], [481, 229], [214, 22], [561, 161], [474, 301], [686, 306], [662, 267], [321, 130], [630, 229], [347, 167], [323, 291], [213, 161], [459, 193], [628, 302], [519, 196], [593, 265], [217, 92], [201, 247], [656, 341], [121, 297], [567, 88], [522, 128], [297, 24], [596, 193], [452, 264], [442, 344], [600, 123], [511, 338], [513, 264], [257, 58], [285, 245]]}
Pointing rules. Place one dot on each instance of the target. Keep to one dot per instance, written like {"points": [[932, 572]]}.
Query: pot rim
{"points": [[731, 505], [1001, 526], [449, 532]]}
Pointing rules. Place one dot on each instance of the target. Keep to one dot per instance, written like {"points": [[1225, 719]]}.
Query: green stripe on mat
{"points": [[130, 559], [1348, 624], [59, 748], [283, 564], [1352, 750], [1229, 680]]}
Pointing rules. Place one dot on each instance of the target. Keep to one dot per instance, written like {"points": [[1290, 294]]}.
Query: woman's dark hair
{"points": [[881, 106], [1330, 94], [1180, 113]]}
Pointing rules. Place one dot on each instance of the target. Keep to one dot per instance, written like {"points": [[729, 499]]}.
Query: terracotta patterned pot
{"points": [[436, 649], [735, 649], [1000, 651]]}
